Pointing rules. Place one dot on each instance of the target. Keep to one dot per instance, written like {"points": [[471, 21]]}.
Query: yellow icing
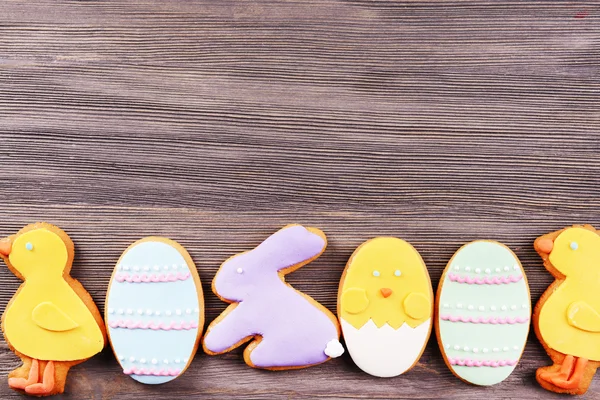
{"points": [[417, 305], [46, 315], [569, 321], [355, 300], [411, 296], [581, 315], [46, 319]]}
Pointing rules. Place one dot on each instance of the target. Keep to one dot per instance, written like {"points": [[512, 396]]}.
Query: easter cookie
{"points": [[154, 310], [567, 317], [51, 322], [287, 328], [385, 305], [483, 312]]}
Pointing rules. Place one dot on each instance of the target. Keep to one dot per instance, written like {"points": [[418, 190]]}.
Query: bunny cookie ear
{"points": [[292, 246]]}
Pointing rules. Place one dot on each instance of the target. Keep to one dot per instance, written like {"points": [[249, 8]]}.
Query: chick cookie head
{"points": [[574, 252], [386, 281], [37, 249]]}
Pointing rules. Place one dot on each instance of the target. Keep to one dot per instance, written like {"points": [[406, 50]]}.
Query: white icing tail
{"points": [[334, 348]]}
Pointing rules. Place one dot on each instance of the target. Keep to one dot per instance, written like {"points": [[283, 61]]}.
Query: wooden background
{"points": [[217, 122]]}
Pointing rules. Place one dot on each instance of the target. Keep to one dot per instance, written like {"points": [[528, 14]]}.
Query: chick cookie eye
{"points": [[29, 246], [239, 271], [376, 273], [574, 246], [397, 272]]}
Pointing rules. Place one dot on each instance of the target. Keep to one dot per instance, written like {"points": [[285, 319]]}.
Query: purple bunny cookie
{"points": [[288, 329]]}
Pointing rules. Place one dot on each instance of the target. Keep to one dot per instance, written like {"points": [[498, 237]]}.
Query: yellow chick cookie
{"points": [[385, 304], [567, 317], [51, 322]]}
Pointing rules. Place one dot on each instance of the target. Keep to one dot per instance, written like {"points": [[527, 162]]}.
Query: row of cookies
{"points": [[154, 312]]}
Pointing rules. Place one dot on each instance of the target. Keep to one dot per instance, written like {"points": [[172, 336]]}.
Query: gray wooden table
{"points": [[217, 122]]}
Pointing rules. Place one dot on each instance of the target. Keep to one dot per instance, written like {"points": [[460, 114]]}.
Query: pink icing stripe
{"points": [[152, 371], [144, 278], [131, 324], [485, 320], [467, 362], [494, 280]]}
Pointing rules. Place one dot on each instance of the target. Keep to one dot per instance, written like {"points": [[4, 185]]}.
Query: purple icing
{"points": [[294, 331]]}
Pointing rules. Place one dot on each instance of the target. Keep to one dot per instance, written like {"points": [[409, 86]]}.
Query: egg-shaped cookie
{"points": [[154, 310], [385, 306], [484, 309]]}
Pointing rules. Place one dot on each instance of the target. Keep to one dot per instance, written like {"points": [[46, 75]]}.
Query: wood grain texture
{"points": [[217, 122]]}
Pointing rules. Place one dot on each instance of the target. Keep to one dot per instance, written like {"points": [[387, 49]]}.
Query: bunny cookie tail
{"points": [[334, 348]]}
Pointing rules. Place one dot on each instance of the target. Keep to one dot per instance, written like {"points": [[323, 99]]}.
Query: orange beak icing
{"points": [[386, 292], [5, 247], [545, 245]]}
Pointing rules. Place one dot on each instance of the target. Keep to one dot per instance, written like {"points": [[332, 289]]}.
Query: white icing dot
{"points": [[475, 350], [157, 313], [505, 348], [136, 268], [466, 348], [142, 361], [446, 305], [196, 310], [515, 347], [504, 308], [498, 270], [174, 266], [177, 361], [467, 269], [168, 312], [493, 308], [119, 266], [515, 267], [146, 268], [478, 270], [495, 349], [507, 268], [121, 357], [397, 272], [125, 268], [184, 266], [110, 310], [524, 305], [376, 273], [132, 359], [470, 307], [459, 305], [488, 271], [513, 307], [165, 361], [481, 308], [140, 311], [239, 270], [178, 311], [166, 267], [156, 268], [185, 360], [485, 350], [188, 310], [148, 312], [456, 268], [154, 361], [457, 347], [129, 311], [447, 346], [120, 311]]}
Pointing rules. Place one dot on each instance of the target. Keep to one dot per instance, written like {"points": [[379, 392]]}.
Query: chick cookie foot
{"points": [[563, 373], [47, 384], [575, 379], [22, 383]]}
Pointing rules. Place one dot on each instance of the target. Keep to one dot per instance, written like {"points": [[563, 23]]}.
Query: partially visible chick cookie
{"points": [[385, 305], [51, 322], [567, 317]]}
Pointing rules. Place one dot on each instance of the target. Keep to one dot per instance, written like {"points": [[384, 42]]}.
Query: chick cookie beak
{"points": [[386, 292], [5, 247], [545, 245]]}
